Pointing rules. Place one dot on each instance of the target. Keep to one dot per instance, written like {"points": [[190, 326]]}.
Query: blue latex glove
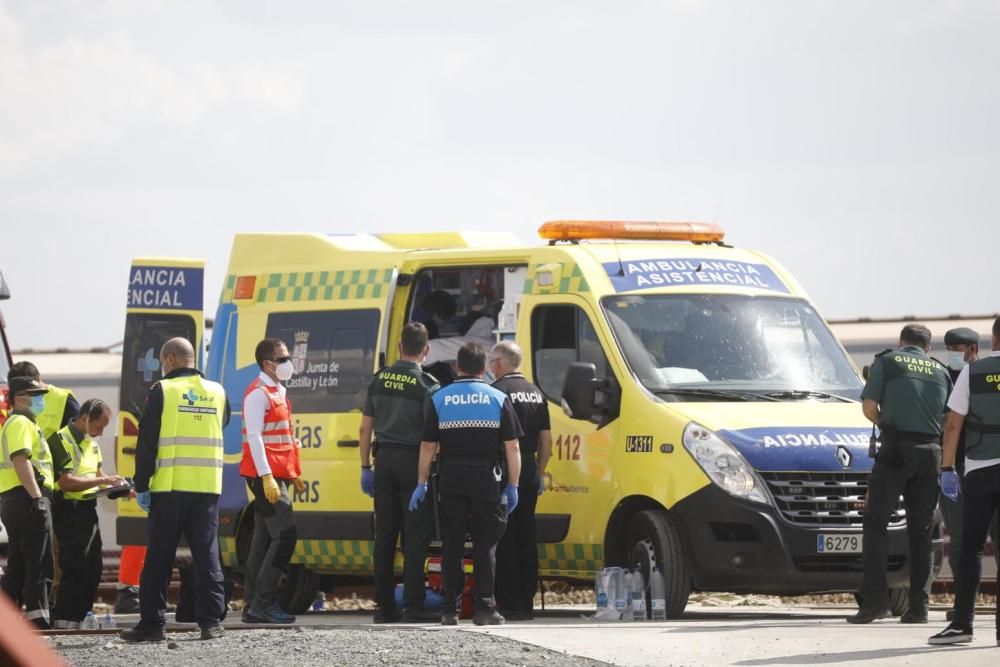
{"points": [[368, 482], [418, 496], [511, 494], [951, 486], [144, 498], [541, 484]]}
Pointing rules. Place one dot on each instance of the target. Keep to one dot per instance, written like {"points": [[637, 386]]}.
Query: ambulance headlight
{"points": [[723, 463]]}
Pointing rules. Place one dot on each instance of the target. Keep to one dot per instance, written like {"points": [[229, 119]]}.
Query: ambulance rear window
{"points": [[144, 335], [333, 352]]}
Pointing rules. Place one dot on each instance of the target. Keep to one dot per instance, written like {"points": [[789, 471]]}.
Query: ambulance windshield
{"points": [[771, 348]]}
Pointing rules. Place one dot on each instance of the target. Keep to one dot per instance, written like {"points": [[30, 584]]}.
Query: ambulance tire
{"points": [[899, 600], [298, 590], [653, 540]]}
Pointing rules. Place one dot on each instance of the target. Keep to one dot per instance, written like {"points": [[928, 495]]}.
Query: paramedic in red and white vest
{"points": [[270, 465]]}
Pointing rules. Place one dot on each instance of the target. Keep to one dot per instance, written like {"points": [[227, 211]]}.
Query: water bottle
{"points": [[601, 590], [319, 604], [658, 595], [638, 595], [620, 594], [108, 622], [89, 622], [623, 596]]}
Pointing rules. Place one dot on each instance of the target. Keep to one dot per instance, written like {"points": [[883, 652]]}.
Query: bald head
{"points": [[176, 353], [506, 358]]}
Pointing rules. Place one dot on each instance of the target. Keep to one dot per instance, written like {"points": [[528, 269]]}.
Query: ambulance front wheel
{"points": [[899, 600], [299, 590], [654, 541]]}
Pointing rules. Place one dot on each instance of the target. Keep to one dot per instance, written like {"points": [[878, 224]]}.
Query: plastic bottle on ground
{"points": [[658, 595], [638, 595], [89, 622], [601, 590], [108, 622], [625, 595]]}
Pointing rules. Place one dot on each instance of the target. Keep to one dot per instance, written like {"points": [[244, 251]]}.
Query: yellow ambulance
{"points": [[704, 418]]}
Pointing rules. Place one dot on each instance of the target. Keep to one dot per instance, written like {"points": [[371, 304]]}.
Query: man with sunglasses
{"points": [[270, 464]]}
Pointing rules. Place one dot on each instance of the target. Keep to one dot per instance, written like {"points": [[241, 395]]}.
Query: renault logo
{"points": [[844, 456]]}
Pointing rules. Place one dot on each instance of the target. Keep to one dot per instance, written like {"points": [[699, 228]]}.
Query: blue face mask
{"points": [[38, 404]]}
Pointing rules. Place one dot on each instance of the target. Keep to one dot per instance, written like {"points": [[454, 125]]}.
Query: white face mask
{"points": [[284, 371], [955, 360]]}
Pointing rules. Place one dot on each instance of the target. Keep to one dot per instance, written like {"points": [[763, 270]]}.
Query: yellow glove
{"points": [[300, 485], [271, 490]]}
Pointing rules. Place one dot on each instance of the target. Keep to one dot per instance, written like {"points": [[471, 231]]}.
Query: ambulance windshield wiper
{"points": [[711, 394], [802, 394]]}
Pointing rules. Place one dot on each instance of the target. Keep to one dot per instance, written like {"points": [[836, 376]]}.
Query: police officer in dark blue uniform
{"points": [[905, 397], [474, 430]]}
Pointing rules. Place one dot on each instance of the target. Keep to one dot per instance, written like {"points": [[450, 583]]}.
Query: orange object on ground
{"points": [[20, 645]]}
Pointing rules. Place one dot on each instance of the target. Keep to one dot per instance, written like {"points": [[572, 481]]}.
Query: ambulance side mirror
{"points": [[579, 394]]}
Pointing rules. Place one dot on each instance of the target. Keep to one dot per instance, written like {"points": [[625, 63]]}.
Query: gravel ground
{"points": [[355, 647]]}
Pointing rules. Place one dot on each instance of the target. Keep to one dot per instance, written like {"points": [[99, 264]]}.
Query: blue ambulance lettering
{"points": [[165, 287], [808, 449], [649, 273]]}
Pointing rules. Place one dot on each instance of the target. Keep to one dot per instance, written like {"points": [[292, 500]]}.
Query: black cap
{"points": [[961, 336], [25, 385]]}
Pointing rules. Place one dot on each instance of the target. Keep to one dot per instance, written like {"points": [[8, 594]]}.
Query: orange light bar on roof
{"points": [[579, 230]]}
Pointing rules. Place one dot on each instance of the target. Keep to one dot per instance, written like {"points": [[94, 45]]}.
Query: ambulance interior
{"points": [[459, 305]]}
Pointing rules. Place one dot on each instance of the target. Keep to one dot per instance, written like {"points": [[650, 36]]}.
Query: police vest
{"points": [[902, 366], [189, 452], [85, 458], [982, 424], [50, 420], [279, 439], [476, 407], [20, 434]]}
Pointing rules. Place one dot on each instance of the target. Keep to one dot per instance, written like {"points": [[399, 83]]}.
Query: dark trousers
{"points": [[517, 552], [951, 511], [486, 521], [916, 479], [29, 555], [196, 516], [272, 546], [981, 489], [80, 558], [395, 479]]}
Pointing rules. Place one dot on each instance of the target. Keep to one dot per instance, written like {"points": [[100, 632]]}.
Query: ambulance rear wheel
{"points": [[654, 541], [899, 600], [299, 590]]}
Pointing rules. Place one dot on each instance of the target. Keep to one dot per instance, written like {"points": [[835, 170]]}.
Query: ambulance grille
{"points": [[820, 499]]}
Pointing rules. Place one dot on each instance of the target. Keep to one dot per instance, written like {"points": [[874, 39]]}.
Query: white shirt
{"points": [[958, 403], [446, 349], [255, 406]]}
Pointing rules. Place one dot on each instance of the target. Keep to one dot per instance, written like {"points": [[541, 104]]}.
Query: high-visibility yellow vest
{"points": [[55, 406], [189, 453], [85, 458], [21, 434]]}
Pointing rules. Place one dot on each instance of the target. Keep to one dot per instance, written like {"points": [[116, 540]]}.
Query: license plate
{"points": [[838, 544]]}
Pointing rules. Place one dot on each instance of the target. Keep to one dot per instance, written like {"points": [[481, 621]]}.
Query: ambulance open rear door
{"points": [[165, 300]]}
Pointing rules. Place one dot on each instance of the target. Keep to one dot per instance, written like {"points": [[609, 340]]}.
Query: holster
{"points": [[890, 454]]}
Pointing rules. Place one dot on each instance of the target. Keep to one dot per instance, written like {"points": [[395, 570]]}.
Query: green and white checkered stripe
{"points": [[227, 552], [571, 280], [570, 560], [317, 285]]}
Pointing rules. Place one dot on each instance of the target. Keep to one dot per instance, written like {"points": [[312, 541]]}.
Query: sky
{"points": [[855, 142]]}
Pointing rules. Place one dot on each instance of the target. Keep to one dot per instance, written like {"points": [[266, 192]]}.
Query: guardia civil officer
{"points": [[76, 459], [517, 552], [394, 413], [59, 405], [905, 397], [26, 485], [961, 348], [270, 465], [178, 479], [474, 430], [975, 408]]}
